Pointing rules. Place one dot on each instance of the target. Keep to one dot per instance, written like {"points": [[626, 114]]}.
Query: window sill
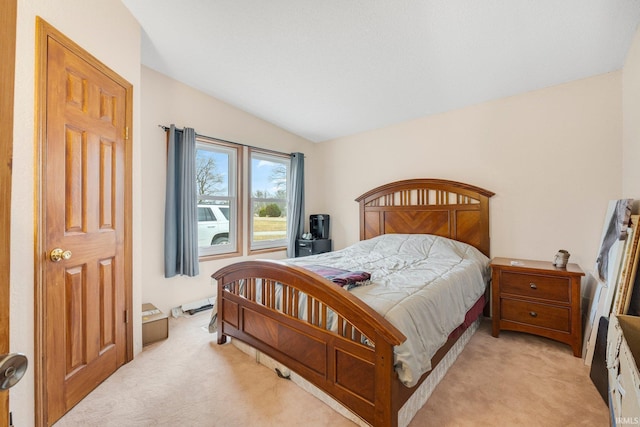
{"points": [[267, 250], [214, 257]]}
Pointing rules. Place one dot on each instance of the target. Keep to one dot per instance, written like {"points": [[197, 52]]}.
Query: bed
{"points": [[328, 335]]}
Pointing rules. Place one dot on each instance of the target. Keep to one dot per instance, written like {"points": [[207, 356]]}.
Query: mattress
{"points": [[422, 284]]}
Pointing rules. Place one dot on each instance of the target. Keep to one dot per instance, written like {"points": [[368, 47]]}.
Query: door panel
{"points": [[85, 212]]}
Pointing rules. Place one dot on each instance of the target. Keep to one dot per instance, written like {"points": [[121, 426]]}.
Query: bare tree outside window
{"points": [[208, 179], [279, 178], [216, 181]]}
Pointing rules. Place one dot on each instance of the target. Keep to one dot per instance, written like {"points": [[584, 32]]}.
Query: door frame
{"points": [[8, 18], [45, 31]]}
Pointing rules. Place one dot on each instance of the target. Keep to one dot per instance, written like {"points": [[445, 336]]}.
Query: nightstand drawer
{"points": [[304, 250], [536, 286], [542, 315], [306, 247]]}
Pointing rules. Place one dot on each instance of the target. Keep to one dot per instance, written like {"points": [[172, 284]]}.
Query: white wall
{"points": [[106, 29], [553, 157], [166, 101], [631, 123]]}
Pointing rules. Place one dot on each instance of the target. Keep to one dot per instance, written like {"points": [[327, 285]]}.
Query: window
{"points": [[217, 173], [269, 179]]}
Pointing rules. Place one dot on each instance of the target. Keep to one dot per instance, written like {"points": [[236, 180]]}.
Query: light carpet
{"points": [[190, 380]]}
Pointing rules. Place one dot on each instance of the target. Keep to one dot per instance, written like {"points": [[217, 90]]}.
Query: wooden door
{"points": [[7, 78], [85, 187]]}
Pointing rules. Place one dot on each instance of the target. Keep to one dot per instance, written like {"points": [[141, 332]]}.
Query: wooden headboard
{"points": [[427, 206]]}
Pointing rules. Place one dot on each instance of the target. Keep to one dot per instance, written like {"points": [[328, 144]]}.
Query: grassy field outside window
{"points": [[269, 228]]}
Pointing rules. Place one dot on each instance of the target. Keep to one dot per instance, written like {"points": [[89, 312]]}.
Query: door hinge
{"points": [[126, 132], [126, 316]]}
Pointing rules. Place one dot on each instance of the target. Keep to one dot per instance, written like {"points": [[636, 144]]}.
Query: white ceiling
{"points": [[329, 68]]}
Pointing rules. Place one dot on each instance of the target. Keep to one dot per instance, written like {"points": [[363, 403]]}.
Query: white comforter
{"points": [[422, 284]]}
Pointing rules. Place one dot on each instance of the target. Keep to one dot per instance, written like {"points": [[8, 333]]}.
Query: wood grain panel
{"points": [[420, 222], [551, 288], [540, 315], [230, 313], [372, 225], [107, 179], [76, 90], [355, 375], [107, 304], [107, 107], [260, 327], [75, 311], [468, 228], [75, 180], [310, 351]]}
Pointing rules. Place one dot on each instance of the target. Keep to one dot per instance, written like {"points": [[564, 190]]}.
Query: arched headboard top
{"points": [[450, 209]]}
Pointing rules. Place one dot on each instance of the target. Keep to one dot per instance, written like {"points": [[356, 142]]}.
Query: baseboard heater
{"points": [[194, 307]]}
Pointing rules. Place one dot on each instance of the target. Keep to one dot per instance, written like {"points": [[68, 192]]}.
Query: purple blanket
{"points": [[338, 276]]}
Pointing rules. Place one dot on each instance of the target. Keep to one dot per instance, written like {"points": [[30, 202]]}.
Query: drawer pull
{"points": [[533, 285], [533, 314]]}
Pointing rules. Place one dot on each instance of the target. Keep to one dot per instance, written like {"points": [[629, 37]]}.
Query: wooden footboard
{"points": [[317, 329]]}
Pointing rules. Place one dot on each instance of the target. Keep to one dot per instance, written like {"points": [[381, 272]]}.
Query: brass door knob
{"points": [[58, 254]]}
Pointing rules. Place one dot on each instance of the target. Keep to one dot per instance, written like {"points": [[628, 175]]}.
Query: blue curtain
{"points": [[181, 210], [295, 215]]}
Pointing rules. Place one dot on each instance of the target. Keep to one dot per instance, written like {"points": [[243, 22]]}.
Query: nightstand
{"points": [[306, 247], [538, 298]]}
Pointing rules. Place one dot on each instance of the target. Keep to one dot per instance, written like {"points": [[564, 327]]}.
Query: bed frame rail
{"points": [[315, 328]]}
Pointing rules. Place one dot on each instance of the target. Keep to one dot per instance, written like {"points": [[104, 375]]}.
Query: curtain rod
{"points": [[166, 128]]}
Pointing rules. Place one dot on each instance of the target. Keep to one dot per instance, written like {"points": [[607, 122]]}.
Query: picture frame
{"points": [[629, 268]]}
